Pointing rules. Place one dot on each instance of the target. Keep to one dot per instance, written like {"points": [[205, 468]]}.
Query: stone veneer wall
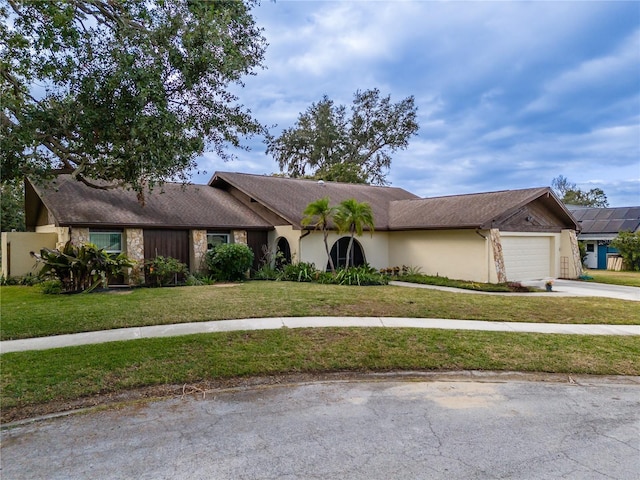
{"points": [[79, 236], [498, 257], [240, 236], [575, 250], [134, 249], [198, 250]]}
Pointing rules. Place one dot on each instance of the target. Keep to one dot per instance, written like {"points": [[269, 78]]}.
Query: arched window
{"points": [[283, 248], [339, 253]]}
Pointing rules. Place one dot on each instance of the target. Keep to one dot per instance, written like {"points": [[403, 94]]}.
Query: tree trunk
{"points": [[349, 248], [326, 247]]}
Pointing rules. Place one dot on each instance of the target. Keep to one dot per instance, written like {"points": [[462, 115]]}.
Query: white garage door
{"points": [[526, 258]]}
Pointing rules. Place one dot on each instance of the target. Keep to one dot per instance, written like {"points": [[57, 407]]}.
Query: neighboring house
{"points": [[601, 225], [493, 237]]}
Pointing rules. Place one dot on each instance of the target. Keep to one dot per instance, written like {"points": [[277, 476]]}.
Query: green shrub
{"points": [[582, 248], [229, 261], [628, 244], [51, 287], [80, 269], [361, 276], [165, 270], [300, 272], [28, 280], [267, 272]]}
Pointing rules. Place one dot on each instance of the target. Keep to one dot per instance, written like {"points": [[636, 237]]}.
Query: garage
{"points": [[526, 258]]}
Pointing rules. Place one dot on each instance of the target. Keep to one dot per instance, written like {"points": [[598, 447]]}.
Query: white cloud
{"points": [[473, 67], [604, 72]]}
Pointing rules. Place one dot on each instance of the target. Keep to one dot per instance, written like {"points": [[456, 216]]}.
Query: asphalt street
{"points": [[438, 426]]}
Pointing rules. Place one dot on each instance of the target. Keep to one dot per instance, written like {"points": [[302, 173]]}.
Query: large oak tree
{"points": [[329, 143], [125, 91]]}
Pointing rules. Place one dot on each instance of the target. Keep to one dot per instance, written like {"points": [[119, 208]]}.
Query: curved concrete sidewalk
{"points": [[86, 338]]}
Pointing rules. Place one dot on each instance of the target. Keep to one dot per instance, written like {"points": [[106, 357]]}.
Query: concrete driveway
{"points": [[438, 426], [590, 289], [561, 288]]}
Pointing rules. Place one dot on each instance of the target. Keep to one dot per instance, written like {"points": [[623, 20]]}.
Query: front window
{"points": [[110, 241], [215, 239]]}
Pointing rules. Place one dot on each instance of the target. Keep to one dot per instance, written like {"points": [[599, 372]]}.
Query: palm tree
{"points": [[318, 214], [352, 216]]}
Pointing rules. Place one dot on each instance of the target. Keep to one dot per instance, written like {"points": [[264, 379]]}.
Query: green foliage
{"points": [[628, 244], [12, 205], [300, 272], [28, 280], [570, 194], [318, 214], [267, 272], [51, 287], [229, 261], [582, 247], [465, 284], [327, 144], [128, 91], [164, 271], [80, 269], [352, 216], [361, 276]]}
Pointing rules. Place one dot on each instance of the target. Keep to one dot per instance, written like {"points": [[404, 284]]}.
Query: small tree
{"points": [[319, 214], [164, 270], [352, 216], [628, 244]]}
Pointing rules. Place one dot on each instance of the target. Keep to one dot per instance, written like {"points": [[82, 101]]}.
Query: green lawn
{"points": [[40, 382], [53, 380], [631, 279], [26, 312]]}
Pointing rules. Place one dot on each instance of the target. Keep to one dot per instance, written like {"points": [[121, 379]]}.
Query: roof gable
{"points": [[533, 209], [71, 202], [288, 197]]}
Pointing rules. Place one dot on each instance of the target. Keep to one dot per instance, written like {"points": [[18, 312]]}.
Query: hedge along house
{"points": [[601, 225], [490, 237]]}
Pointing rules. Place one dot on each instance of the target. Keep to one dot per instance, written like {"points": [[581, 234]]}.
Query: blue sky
{"points": [[509, 94]]}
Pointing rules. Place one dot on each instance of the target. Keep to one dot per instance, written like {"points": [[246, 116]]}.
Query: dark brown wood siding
{"points": [[256, 240], [167, 243]]}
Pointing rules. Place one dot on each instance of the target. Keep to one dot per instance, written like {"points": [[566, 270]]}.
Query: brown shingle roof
{"points": [[171, 206], [289, 196], [606, 220], [477, 210]]}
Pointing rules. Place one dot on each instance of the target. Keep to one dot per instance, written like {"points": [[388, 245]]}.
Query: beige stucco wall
{"points": [[375, 248], [63, 233], [458, 254], [292, 236], [16, 248]]}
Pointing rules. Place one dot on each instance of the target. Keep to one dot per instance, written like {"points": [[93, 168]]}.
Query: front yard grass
{"points": [[26, 312], [37, 382], [630, 279]]}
